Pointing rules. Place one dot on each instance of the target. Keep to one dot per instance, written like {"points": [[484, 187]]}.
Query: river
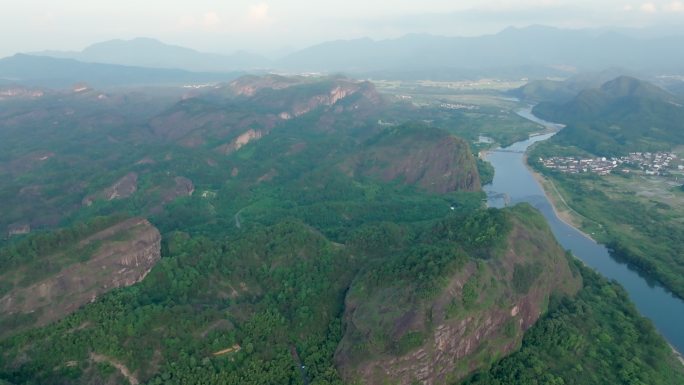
{"points": [[514, 183]]}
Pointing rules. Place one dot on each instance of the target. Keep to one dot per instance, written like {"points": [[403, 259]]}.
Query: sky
{"points": [[277, 26]]}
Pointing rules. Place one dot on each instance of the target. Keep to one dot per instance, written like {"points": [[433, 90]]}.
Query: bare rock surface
{"points": [[120, 255]]}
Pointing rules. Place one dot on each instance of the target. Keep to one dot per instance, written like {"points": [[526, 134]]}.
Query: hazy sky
{"points": [[272, 25]]}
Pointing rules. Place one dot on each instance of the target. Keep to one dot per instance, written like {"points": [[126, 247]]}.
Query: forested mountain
{"points": [[145, 52], [677, 88], [310, 231], [562, 91], [46, 71], [514, 53], [537, 49], [623, 115]]}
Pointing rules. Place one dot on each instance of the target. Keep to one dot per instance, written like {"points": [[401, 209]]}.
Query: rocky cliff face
{"points": [[120, 255], [338, 91], [237, 143], [418, 155], [253, 106], [480, 314], [250, 85], [122, 188]]}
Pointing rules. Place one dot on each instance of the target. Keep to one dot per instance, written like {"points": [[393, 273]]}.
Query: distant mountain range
{"points": [[63, 73], [535, 51], [145, 52], [623, 115], [532, 48]]}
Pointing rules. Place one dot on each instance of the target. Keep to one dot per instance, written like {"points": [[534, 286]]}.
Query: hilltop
{"points": [[562, 91], [623, 115]]}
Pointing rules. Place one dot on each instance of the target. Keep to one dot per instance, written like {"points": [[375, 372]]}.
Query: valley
{"points": [[520, 183], [635, 212], [320, 215], [341, 193]]}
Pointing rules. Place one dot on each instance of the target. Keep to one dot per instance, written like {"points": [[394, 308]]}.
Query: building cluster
{"points": [[458, 106], [658, 163]]}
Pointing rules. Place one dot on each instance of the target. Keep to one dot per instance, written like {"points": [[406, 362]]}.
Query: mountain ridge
{"points": [[622, 115], [536, 49], [51, 72], [152, 53]]}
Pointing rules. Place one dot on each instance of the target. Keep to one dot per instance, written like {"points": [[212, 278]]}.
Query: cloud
{"points": [[211, 20], [675, 6], [259, 14], [44, 19], [187, 21], [648, 8], [628, 8]]}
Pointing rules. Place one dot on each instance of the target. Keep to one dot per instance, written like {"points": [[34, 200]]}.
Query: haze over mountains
{"points": [[146, 52], [51, 72], [177, 217], [535, 46], [535, 51]]}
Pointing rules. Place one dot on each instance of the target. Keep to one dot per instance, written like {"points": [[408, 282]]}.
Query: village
{"points": [[658, 163], [458, 106]]}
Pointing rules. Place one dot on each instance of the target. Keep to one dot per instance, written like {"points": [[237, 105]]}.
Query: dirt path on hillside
{"points": [[237, 218], [121, 367]]}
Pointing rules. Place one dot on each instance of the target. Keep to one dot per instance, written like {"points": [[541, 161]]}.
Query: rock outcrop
{"points": [[18, 229], [447, 336], [418, 155], [243, 139], [118, 256], [252, 107], [122, 188], [249, 85]]}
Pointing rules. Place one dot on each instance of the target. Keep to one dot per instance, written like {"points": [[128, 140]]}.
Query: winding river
{"points": [[514, 183]]}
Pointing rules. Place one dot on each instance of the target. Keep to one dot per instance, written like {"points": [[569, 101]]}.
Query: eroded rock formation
{"points": [[120, 255]]}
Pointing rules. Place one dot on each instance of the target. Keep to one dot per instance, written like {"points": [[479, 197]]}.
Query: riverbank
{"points": [[560, 207], [517, 182], [570, 217], [563, 211], [678, 355]]}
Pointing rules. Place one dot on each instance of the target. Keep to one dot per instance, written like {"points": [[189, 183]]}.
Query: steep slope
{"points": [[623, 115], [419, 155], [398, 333], [562, 346], [76, 273]]}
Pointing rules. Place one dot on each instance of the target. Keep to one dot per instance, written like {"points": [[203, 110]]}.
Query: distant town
{"points": [[458, 106], [658, 163]]}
